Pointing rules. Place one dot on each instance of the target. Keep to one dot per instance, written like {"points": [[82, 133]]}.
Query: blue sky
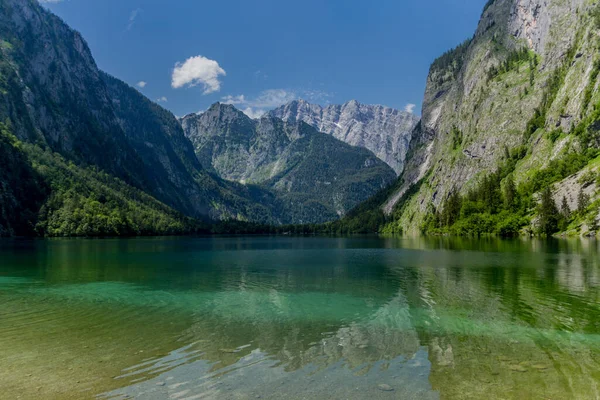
{"points": [[256, 54]]}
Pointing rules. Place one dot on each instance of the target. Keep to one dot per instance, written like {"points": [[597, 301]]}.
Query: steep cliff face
{"points": [[383, 130], [52, 94], [525, 81], [159, 142], [52, 91], [316, 176]]}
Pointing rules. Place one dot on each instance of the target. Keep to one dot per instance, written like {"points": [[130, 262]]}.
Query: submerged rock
{"points": [[540, 367], [385, 388], [230, 351], [517, 368]]}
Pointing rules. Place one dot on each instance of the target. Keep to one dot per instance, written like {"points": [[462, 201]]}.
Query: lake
{"points": [[299, 318]]}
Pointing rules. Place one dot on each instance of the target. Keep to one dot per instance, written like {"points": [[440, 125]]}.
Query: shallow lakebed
{"points": [[299, 318]]}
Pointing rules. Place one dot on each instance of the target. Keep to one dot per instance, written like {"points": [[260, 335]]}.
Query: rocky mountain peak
{"points": [[383, 130], [220, 119], [352, 103], [225, 120], [299, 103], [224, 112], [310, 170]]}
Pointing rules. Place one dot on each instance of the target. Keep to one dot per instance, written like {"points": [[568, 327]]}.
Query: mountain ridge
{"points": [[508, 142], [53, 95], [383, 130], [517, 99], [273, 154]]}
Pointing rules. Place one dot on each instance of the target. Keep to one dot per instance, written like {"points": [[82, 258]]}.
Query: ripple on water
{"points": [[258, 375], [300, 322]]}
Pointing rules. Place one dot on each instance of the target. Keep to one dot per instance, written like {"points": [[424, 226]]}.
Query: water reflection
{"points": [[272, 317]]}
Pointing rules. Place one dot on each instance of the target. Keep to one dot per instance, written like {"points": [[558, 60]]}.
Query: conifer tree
{"points": [[565, 214], [510, 194], [565, 209], [451, 212], [548, 213], [583, 202], [592, 222]]}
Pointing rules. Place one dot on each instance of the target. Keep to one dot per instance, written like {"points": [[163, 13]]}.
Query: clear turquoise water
{"points": [[246, 318]]}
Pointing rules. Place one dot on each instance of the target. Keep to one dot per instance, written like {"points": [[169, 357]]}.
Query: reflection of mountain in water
{"points": [[485, 328], [465, 319], [498, 331], [257, 376], [294, 356], [331, 329]]}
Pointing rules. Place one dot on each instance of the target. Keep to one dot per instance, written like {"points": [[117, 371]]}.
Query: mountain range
{"points": [[508, 142], [77, 127], [383, 130], [317, 177], [53, 96]]}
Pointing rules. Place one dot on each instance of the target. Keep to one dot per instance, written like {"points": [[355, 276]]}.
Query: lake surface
{"points": [[299, 318]]}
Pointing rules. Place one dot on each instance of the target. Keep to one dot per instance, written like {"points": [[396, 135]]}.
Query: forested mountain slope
{"points": [[315, 177], [22, 190], [53, 95], [507, 115], [41, 193]]}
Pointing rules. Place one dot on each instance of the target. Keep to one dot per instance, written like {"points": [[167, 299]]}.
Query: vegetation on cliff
{"points": [[22, 191], [519, 118], [41, 193]]}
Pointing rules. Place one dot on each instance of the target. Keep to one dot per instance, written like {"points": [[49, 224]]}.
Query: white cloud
{"points": [[267, 99], [50, 1], [410, 108], [132, 17], [252, 113], [316, 96], [257, 107], [141, 84], [235, 100], [162, 100], [260, 75], [272, 98], [198, 70]]}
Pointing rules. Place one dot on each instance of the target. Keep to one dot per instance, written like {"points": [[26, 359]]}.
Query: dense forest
{"points": [[44, 194], [22, 190]]}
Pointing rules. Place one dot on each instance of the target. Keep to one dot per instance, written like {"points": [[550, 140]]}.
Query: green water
{"points": [[299, 318]]}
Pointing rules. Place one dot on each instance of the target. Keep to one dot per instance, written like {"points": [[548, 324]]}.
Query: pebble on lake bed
{"points": [[385, 388], [230, 351], [540, 367], [517, 368]]}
